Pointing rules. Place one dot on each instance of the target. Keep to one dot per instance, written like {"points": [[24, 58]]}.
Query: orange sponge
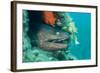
{"points": [[49, 18]]}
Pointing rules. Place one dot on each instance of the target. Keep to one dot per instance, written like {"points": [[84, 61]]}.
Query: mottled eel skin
{"points": [[52, 39]]}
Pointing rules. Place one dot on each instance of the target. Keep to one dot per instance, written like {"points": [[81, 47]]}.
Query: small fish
{"points": [[49, 18]]}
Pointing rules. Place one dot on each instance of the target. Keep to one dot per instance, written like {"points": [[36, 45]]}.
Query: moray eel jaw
{"points": [[53, 45], [61, 40]]}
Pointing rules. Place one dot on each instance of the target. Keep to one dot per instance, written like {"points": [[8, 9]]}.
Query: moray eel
{"points": [[49, 39]]}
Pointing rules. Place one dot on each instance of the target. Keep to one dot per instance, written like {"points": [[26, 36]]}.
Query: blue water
{"points": [[83, 24]]}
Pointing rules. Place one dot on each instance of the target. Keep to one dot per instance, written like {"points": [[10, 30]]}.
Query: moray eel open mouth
{"points": [[63, 40]]}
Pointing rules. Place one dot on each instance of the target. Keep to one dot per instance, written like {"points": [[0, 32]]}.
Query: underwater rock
{"points": [[68, 25], [25, 21], [72, 28], [26, 40], [60, 21]]}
